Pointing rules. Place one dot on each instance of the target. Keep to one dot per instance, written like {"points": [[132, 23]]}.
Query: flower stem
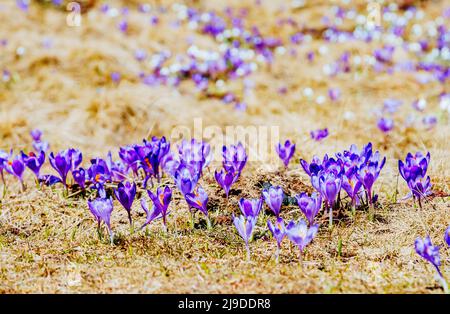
{"points": [[192, 218], [208, 223], [277, 254], [248, 252], [300, 259], [330, 218]]}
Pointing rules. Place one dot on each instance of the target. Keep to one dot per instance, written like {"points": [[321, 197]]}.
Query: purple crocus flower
{"points": [[319, 135], [278, 231], [49, 179], [251, 207], [196, 154], [41, 146], [274, 198], [225, 179], [245, 226], [385, 124], [152, 213], [33, 162], [199, 200], [420, 187], [161, 201], [38, 144], [328, 184], [314, 167], [309, 205], [130, 157], [102, 208], [285, 151], [300, 235], [425, 249], [234, 157], [447, 236], [185, 180], [368, 173], [79, 176], [414, 165], [151, 154], [16, 167], [125, 194], [99, 171], [352, 185], [4, 158], [413, 171], [65, 161], [36, 135]]}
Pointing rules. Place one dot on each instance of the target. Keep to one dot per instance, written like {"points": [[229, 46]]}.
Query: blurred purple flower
{"points": [[429, 121], [391, 105], [385, 124], [115, 77], [384, 54], [23, 4], [123, 26], [36, 135], [285, 152], [334, 94], [319, 135], [140, 55]]}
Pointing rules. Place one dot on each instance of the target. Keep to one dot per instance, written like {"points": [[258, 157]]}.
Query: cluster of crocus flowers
{"points": [[351, 170], [234, 160], [413, 170], [16, 165]]}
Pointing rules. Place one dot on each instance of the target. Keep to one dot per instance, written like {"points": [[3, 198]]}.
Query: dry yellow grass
{"points": [[48, 243]]}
